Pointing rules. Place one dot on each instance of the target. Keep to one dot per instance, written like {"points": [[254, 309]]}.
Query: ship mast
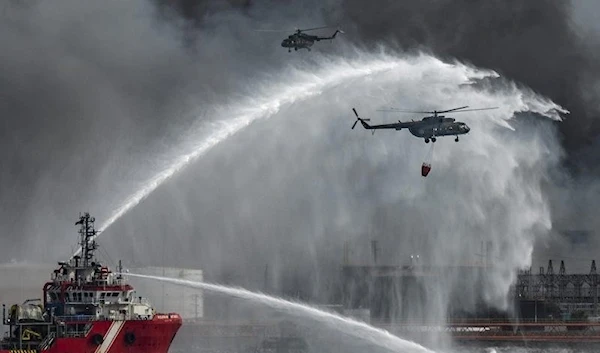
{"points": [[87, 234]]}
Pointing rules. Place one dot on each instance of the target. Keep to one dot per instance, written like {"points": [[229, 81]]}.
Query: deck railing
{"points": [[47, 342]]}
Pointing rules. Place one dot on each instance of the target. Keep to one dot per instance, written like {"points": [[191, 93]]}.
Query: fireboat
{"points": [[87, 308]]}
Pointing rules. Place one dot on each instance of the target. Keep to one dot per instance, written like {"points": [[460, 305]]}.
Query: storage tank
{"points": [[167, 297]]}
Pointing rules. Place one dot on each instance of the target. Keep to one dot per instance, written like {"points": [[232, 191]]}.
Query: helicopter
{"points": [[429, 127], [301, 40]]}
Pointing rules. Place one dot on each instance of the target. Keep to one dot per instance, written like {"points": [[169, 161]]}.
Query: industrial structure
{"points": [[389, 292], [551, 305], [548, 306], [561, 295]]}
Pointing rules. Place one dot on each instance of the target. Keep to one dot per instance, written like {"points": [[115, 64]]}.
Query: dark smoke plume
{"points": [[532, 42], [548, 45], [93, 92]]}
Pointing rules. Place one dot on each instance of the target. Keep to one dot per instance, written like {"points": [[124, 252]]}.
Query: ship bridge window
{"points": [[53, 296]]}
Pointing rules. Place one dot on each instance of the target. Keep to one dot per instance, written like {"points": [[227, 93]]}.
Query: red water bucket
{"points": [[425, 169]]}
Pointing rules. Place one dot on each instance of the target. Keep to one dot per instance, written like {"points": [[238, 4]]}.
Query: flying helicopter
{"points": [[301, 40], [429, 127]]}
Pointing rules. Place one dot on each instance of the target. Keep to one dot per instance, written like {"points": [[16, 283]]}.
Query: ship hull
{"points": [[130, 336]]}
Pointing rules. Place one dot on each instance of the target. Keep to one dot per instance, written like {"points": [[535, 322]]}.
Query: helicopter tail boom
{"points": [[332, 37]]}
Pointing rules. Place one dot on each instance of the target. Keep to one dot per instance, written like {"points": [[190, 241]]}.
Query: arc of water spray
{"points": [[361, 330], [246, 112]]}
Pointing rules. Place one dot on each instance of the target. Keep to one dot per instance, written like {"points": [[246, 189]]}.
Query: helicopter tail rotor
{"points": [[358, 118], [336, 33]]}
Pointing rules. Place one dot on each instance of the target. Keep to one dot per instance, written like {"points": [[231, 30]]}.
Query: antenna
{"points": [[374, 249], [87, 234], [120, 269]]}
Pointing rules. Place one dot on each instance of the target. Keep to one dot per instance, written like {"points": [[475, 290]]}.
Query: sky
{"points": [[98, 97]]}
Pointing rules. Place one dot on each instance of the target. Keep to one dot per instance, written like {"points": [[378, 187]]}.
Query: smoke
{"points": [[550, 46], [92, 94], [98, 97], [81, 97], [535, 43], [287, 192]]}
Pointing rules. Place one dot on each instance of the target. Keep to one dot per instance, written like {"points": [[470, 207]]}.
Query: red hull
{"points": [[149, 336]]}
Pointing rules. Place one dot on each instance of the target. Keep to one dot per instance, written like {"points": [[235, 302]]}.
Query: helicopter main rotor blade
{"points": [[274, 30], [312, 29], [451, 110], [421, 112], [455, 110], [472, 110], [402, 111], [295, 30]]}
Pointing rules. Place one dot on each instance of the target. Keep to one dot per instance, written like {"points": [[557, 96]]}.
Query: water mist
{"points": [[344, 325], [268, 101], [484, 189]]}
